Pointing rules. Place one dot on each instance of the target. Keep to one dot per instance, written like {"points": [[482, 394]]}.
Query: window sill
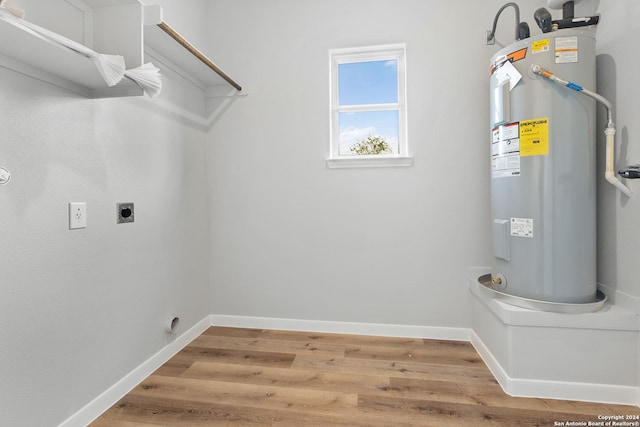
{"points": [[369, 162]]}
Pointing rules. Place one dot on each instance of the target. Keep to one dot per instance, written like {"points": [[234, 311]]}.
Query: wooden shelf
{"points": [[34, 57], [162, 41], [110, 27]]}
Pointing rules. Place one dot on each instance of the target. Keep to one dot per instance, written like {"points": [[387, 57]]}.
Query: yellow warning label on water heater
{"points": [[534, 137], [540, 46]]}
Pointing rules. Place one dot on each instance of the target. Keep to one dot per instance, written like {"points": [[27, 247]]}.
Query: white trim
{"points": [[602, 393], [566, 390], [369, 107], [352, 328], [492, 363], [628, 302], [368, 162], [109, 397]]}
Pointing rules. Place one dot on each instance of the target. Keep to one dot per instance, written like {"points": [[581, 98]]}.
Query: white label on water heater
{"points": [[566, 50], [505, 151], [522, 227]]}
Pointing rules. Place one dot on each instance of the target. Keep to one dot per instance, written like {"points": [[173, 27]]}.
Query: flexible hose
{"points": [[495, 20]]}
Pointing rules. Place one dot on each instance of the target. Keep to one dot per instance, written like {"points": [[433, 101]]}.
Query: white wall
{"points": [[293, 239], [288, 237], [80, 309], [618, 225]]}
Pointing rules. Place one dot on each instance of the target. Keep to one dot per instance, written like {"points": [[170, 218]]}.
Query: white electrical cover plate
{"points": [[77, 215]]}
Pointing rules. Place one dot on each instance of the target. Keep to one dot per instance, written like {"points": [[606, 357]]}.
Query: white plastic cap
{"points": [[557, 4]]}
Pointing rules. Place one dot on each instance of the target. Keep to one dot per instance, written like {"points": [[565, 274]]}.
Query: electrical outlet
{"points": [[124, 212], [77, 215]]}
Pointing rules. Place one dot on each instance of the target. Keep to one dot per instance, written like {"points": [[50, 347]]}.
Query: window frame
{"points": [[337, 57]]}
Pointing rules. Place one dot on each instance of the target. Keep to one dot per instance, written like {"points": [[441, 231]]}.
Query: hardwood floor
{"points": [[232, 376]]}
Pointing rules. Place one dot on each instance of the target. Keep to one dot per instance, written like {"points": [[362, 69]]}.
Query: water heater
{"points": [[543, 169]]}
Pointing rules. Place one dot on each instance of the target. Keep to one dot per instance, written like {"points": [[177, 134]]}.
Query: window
{"points": [[368, 120]]}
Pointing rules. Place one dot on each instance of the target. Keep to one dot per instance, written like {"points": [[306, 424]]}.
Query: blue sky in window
{"points": [[373, 82], [361, 83]]}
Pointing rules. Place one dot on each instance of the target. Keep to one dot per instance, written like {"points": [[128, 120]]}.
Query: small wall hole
{"points": [[172, 325]]}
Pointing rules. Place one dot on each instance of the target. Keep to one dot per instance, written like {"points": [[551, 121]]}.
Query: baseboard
{"points": [[517, 387], [96, 407], [354, 328], [492, 363], [601, 393], [619, 298]]}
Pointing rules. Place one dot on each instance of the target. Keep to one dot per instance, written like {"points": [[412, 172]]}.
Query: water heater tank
{"points": [[543, 190]]}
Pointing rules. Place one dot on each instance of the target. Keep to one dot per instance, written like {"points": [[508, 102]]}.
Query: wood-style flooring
{"points": [[233, 376]]}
